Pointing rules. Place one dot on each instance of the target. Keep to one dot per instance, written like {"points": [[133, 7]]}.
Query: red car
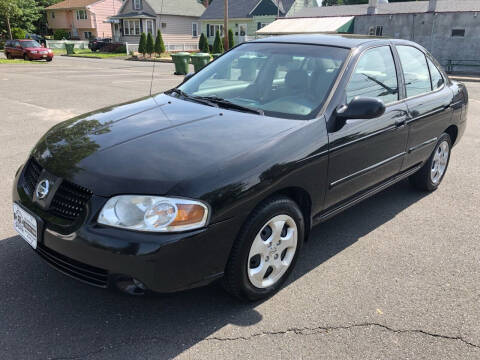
{"points": [[27, 49]]}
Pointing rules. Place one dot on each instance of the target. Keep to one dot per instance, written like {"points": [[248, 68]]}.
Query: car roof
{"points": [[339, 40]]}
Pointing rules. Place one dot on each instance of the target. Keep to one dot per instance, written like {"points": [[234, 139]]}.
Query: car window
{"points": [[17, 43], [437, 78], [30, 44], [283, 80], [374, 76], [415, 70]]}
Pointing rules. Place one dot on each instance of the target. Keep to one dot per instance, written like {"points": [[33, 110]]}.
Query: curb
{"points": [[94, 57], [169, 61]]}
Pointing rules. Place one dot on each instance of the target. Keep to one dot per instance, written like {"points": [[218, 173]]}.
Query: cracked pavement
{"points": [[397, 276]]}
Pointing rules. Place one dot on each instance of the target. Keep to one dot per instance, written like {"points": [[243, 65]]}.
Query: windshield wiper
{"points": [[191, 97], [230, 105]]}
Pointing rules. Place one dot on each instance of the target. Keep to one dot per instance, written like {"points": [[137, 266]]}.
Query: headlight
{"points": [[33, 51], [153, 213]]}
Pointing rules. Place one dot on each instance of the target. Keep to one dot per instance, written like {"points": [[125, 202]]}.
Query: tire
{"points": [[9, 57], [430, 176], [250, 276], [49, 59], [26, 58]]}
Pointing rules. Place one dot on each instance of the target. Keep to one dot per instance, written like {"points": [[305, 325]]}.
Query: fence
{"points": [[168, 47], [472, 66], [60, 44]]}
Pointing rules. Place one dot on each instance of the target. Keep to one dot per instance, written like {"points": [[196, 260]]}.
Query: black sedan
{"points": [[225, 175]]}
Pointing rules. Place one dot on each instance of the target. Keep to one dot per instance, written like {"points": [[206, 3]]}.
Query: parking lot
{"points": [[397, 276]]}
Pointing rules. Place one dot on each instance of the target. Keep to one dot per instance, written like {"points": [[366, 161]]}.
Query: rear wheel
{"points": [[431, 174], [266, 250], [9, 57]]}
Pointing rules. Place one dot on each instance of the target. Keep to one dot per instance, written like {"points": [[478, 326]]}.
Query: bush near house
{"points": [[60, 34], [18, 33], [203, 44], [231, 42], [159, 44], [217, 44], [142, 47], [149, 45]]}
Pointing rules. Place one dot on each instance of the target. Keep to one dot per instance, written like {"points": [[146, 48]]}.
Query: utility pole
{"points": [[278, 8], [226, 45]]}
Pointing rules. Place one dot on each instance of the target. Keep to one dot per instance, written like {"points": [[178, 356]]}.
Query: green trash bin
{"points": [[181, 61], [216, 55], [200, 60], [70, 49]]}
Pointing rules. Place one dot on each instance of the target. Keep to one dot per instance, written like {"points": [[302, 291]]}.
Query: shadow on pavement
{"points": [[44, 314]]}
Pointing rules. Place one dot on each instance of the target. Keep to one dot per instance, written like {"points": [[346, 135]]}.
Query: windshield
{"points": [[277, 79], [30, 44]]}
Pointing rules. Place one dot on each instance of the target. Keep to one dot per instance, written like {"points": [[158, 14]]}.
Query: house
{"points": [[247, 16], [448, 29], [178, 21], [83, 19]]}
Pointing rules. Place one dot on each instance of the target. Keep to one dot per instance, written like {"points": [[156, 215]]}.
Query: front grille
{"points": [[31, 175], [83, 272], [68, 202]]}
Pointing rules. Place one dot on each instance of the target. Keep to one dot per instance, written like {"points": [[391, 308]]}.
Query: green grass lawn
{"points": [[89, 53], [20, 61]]}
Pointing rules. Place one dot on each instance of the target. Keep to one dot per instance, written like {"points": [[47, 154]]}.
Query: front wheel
{"points": [[266, 250], [26, 58], [431, 174]]}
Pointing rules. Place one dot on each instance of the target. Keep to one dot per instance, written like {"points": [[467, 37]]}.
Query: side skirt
{"points": [[336, 209]]}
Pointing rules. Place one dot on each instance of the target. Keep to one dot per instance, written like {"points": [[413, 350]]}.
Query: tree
{"points": [[142, 47], [8, 10], [231, 42], [159, 44], [203, 44], [217, 44], [149, 45]]}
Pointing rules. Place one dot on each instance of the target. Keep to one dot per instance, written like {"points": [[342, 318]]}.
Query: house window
{"points": [[261, 25], [87, 34], [137, 4], [149, 26], [214, 29], [458, 33], [379, 31], [194, 29], [131, 27], [164, 25], [53, 15], [81, 14]]}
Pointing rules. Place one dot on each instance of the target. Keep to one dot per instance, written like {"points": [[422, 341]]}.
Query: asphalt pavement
{"points": [[396, 277]]}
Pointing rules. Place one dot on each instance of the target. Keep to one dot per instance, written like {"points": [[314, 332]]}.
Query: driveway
{"points": [[397, 276]]}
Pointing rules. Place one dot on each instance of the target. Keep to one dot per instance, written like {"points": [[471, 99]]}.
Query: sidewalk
{"points": [[465, 77]]}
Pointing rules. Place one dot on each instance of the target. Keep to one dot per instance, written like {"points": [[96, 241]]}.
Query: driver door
{"points": [[363, 153]]}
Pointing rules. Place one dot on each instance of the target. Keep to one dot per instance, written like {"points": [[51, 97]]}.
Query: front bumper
{"points": [[40, 56], [99, 255]]}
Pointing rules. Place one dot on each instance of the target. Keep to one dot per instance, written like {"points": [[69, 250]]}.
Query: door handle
{"points": [[401, 122]]}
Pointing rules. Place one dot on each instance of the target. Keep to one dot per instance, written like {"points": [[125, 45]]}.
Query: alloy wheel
{"points": [[440, 161], [272, 251]]}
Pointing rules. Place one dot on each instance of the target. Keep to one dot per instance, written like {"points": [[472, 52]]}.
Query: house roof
{"points": [[239, 9], [137, 15], [177, 7], [71, 4], [390, 8]]}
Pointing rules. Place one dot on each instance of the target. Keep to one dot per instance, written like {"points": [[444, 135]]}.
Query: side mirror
{"points": [[361, 108], [188, 76]]}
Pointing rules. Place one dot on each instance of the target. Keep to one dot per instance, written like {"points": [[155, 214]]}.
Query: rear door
{"points": [[428, 101], [366, 152]]}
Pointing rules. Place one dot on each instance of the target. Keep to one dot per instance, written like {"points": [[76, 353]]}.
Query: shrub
{"points": [[203, 44], [2, 44], [60, 34], [231, 42], [159, 44], [18, 33], [217, 44], [149, 45], [142, 47], [121, 49]]}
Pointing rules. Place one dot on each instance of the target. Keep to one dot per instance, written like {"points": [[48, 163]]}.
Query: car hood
{"points": [[36, 49], [153, 144]]}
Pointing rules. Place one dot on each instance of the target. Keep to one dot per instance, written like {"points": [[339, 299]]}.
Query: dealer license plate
{"points": [[26, 225]]}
